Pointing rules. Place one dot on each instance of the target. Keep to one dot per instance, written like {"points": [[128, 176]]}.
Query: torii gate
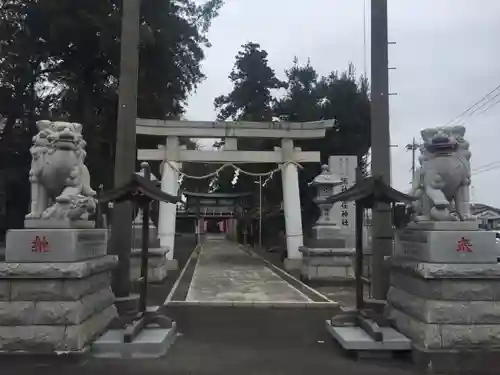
{"points": [[172, 155]]}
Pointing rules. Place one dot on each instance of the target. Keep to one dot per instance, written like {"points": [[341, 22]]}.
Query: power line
{"points": [[481, 169], [486, 166], [484, 104], [492, 168], [473, 106], [491, 106]]}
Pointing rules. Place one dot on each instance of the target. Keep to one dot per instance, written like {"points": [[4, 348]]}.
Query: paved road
{"points": [[225, 341]]}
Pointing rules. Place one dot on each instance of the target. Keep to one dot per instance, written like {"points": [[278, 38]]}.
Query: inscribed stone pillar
{"points": [[344, 212]]}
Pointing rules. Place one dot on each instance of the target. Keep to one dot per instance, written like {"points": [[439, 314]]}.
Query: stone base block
{"points": [[25, 313], [446, 306], [355, 338], [443, 271], [45, 339], [421, 334], [157, 265], [154, 241], [328, 264], [445, 336], [326, 231], [449, 289], [172, 264], [450, 246], [328, 272], [54, 307], [155, 274], [445, 311], [324, 243], [55, 245], [338, 260], [52, 289], [450, 311], [485, 361], [327, 252], [444, 225], [150, 343]]}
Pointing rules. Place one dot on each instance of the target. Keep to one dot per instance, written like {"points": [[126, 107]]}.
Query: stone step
{"points": [[246, 323]]}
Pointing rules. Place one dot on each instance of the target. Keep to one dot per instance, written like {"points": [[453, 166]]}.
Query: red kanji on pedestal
{"points": [[40, 245], [464, 246]]}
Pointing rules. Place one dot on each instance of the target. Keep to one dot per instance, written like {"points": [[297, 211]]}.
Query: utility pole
{"points": [[125, 157], [382, 235], [413, 147]]}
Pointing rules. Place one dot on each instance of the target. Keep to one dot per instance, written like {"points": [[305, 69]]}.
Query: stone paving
{"points": [[225, 272]]}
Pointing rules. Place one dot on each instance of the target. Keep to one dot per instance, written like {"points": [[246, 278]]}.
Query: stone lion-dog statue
{"points": [[442, 183], [60, 181]]}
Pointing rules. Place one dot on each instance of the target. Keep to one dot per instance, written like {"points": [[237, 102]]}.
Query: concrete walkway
{"points": [[225, 272]]}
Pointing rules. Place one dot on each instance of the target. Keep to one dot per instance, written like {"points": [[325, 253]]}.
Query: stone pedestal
{"points": [[459, 245], [445, 294], [325, 235], [334, 264], [325, 254], [54, 307], [154, 241], [55, 245], [157, 265]]}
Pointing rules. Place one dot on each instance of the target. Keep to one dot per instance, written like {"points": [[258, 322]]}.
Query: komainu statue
{"points": [[60, 181], [442, 182]]}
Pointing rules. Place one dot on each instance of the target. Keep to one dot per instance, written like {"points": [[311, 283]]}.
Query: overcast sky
{"points": [[447, 58]]}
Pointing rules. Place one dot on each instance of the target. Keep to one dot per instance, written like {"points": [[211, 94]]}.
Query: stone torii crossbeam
{"points": [[172, 155]]}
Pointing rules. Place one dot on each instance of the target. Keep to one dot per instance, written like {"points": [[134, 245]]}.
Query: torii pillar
{"points": [[168, 211], [292, 207]]}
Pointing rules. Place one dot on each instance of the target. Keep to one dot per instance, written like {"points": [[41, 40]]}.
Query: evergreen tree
{"points": [[59, 59], [251, 99], [74, 46], [254, 81], [339, 96], [308, 97]]}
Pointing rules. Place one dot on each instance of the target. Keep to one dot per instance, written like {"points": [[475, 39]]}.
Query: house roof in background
{"points": [[479, 208]]}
